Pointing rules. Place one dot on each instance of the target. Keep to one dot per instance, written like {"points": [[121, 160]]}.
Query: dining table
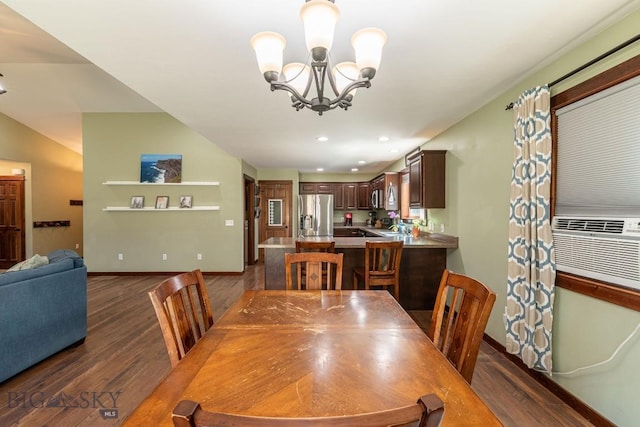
{"points": [[313, 354]]}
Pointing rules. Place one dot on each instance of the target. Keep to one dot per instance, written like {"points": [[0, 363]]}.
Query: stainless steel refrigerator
{"points": [[315, 215]]}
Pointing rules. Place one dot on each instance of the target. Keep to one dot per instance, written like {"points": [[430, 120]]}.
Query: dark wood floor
{"points": [[123, 359]]}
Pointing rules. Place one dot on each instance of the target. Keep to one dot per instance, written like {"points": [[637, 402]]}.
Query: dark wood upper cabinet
{"points": [[316, 188], [391, 191], [325, 188], [350, 196], [364, 195], [338, 196], [427, 179], [308, 188]]}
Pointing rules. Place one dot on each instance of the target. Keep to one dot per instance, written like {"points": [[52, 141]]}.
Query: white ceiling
{"points": [[192, 59]]}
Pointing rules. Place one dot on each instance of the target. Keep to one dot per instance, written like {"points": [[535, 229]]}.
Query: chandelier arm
{"points": [[292, 91], [306, 89], [319, 72], [366, 83], [332, 82]]}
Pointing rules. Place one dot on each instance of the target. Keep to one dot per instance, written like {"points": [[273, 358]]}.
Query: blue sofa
{"points": [[42, 311]]}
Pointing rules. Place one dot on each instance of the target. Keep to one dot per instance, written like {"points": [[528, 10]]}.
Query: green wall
{"points": [[53, 176], [479, 160], [113, 144]]}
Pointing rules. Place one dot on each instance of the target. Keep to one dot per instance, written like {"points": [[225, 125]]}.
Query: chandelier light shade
{"points": [[297, 74], [319, 18], [2, 89], [345, 73], [334, 87], [368, 44], [269, 47]]}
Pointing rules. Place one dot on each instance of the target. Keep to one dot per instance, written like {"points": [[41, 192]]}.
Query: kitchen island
{"points": [[423, 260]]}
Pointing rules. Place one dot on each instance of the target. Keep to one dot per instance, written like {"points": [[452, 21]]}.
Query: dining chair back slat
{"points": [[381, 266], [322, 270], [460, 315], [183, 309]]}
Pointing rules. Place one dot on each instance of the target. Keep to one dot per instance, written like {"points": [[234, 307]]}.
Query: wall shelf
{"points": [[186, 183], [152, 209], [160, 184]]}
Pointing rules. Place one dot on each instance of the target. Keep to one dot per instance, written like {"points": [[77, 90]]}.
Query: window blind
{"points": [[598, 154]]}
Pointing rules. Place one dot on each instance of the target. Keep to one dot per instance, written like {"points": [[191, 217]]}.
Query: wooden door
{"points": [[12, 222], [276, 210], [249, 217]]}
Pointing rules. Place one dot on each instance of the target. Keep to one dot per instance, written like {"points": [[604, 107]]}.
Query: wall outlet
{"points": [[442, 228], [228, 222], [164, 257], [77, 245], [120, 257], [199, 257]]}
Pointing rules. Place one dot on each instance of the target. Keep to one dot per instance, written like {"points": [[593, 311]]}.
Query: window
{"points": [[565, 102], [275, 212]]}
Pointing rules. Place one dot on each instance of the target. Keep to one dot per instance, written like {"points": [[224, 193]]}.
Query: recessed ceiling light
{"points": [[322, 138], [354, 169], [361, 162], [320, 170], [383, 139], [393, 150]]}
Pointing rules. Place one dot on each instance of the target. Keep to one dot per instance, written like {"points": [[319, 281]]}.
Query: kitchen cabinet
{"points": [[347, 232], [387, 186], [315, 188], [338, 196], [308, 188], [427, 179], [345, 195], [391, 191], [364, 195], [350, 196]]}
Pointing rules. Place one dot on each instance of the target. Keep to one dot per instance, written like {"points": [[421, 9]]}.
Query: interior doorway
{"points": [[12, 220], [276, 210], [251, 213]]}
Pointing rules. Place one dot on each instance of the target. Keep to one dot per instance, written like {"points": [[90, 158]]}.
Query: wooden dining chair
{"points": [[313, 246], [381, 266], [427, 412], [184, 312], [322, 270], [462, 309]]}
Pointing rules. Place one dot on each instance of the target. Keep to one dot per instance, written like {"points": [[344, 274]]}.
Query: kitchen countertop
{"points": [[426, 240]]}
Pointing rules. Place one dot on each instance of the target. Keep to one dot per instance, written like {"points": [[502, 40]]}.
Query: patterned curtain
{"points": [[531, 269]]}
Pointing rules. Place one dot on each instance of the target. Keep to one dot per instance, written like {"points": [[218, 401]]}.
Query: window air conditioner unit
{"points": [[606, 249]]}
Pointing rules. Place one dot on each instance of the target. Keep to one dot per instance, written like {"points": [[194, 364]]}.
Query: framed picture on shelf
{"points": [[162, 202], [185, 201], [161, 168], [137, 202]]}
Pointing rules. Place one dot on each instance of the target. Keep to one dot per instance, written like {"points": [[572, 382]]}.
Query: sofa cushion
{"points": [[60, 254], [22, 275], [33, 262]]}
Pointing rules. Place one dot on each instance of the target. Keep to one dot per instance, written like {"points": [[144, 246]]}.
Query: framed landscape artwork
{"points": [[161, 168]]}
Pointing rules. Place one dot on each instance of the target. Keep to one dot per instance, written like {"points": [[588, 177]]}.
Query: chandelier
{"points": [[319, 18]]}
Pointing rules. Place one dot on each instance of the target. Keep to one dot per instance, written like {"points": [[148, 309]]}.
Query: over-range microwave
{"points": [[376, 199]]}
